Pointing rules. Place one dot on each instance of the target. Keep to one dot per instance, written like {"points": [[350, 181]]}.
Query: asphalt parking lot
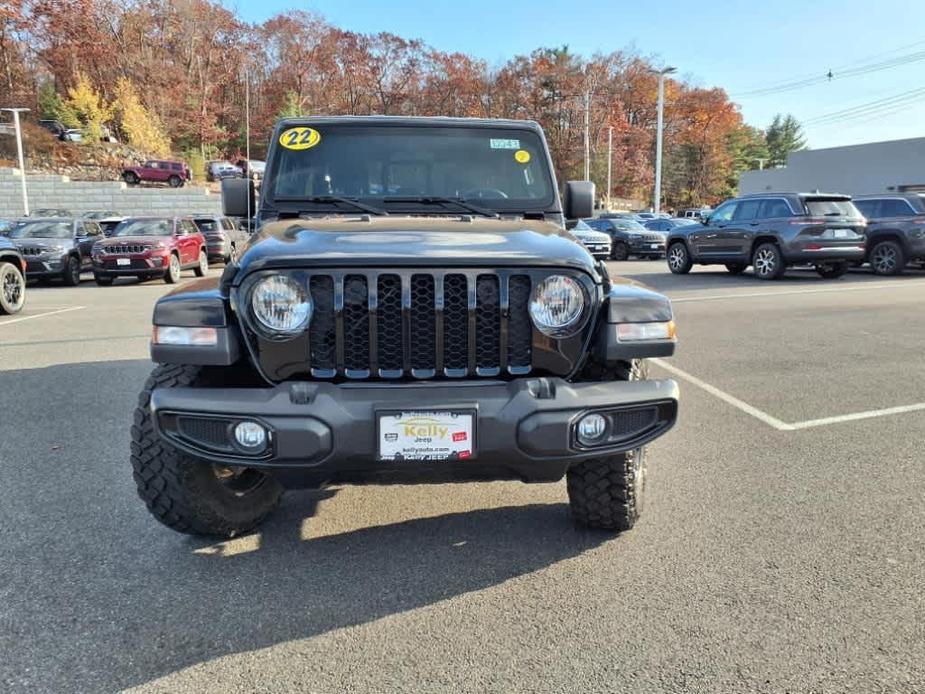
{"points": [[782, 547]]}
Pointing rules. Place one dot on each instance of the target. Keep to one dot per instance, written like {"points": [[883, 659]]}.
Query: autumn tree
{"points": [[88, 107], [783, 136], [140, 128]]}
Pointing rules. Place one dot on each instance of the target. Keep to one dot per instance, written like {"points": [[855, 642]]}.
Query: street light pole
{"points": [[22, 164], [587, 136], [658, 135], [609, 161]]}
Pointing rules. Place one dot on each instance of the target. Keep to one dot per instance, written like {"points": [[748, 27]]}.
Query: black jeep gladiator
{"points": [[410, 310]]}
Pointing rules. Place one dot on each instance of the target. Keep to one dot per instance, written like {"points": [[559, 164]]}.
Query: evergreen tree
{"points": [[784, 135]]}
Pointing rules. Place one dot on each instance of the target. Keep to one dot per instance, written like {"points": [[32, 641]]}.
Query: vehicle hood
{"points": [[590, 236], [133, 240], [417, 241], [43, 243]]}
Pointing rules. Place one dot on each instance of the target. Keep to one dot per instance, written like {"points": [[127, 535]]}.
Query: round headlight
{"points": [[281, 306], [556, 305]]}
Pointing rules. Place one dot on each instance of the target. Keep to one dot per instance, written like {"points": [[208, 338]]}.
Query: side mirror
{"points": [[236, 192], [579, 199], [705, 220]]}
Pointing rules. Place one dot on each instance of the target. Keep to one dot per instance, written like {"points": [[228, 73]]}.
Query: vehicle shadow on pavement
{"points": [[98, 596]]}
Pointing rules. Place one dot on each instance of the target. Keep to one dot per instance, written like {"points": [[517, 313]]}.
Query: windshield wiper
{"points": [[438, 200], [338, 199]]}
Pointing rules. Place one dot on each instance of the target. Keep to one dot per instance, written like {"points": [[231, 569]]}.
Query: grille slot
{"points": [[423, 324], [389, 326]]}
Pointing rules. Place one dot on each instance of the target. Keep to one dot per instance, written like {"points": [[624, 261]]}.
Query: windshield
{"points": [[628, 224], [832, 208], [43, 230], [499, 168], [206, 225], [144, 227]]}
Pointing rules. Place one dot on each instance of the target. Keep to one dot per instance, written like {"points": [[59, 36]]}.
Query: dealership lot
{"points": [[780, 550]]}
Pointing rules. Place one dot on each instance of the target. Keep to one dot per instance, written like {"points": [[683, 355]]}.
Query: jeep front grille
{"points": [[126, 248], [436, 323]]}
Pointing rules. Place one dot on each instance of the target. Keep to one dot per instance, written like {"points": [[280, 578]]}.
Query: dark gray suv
{"points": [[772, 231], [895, 230], [56, 247]]}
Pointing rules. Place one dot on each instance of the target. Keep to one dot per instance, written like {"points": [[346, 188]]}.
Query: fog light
{"points": [[591, 429], [250, 435]]}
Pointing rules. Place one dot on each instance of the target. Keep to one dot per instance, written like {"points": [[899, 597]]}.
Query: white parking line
{"points": [[725, 397], [776, 423], [750, 295], [40, 315]]}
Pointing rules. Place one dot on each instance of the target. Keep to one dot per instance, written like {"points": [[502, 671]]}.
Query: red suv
{"points": [[173, 173], [149, 247]]}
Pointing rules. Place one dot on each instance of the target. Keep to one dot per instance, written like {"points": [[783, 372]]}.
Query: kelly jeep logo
{"points": [[424, 427]]}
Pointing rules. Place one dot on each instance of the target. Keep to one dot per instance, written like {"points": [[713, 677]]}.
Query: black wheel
{"points": [[172, 276], [71, 274], [12, 288], [131, 178], [887, 258], [679, 259], [736, 268], [203, 267], [189, 495], [620, 251], [175, 181], [103, 281], [831, 271], [768, 262], [608, 492]]}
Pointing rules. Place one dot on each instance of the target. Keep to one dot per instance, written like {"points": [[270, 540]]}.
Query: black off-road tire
{"points": [[71, 274], [131, 178], [620, 251], [679, 258], [607, 493], [184, 493], [175, 181]]}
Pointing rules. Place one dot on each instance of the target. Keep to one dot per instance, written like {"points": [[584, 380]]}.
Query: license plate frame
{"points": [[123, 262], [387, 419]]}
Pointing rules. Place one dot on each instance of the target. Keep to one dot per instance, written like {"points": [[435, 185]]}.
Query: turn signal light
{"points": [[644, 332], [189, 337]]}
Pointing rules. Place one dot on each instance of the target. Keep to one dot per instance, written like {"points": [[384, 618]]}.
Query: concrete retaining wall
{"points": [[47, 190]]}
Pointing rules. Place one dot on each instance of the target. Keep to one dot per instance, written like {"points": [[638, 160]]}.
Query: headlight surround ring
{"points": [[281, 308], [557, 306]]}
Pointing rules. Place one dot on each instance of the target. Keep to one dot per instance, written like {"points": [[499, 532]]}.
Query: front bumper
{"points": [[140, 264], [327, 433], [45, 266], [643, 247]]}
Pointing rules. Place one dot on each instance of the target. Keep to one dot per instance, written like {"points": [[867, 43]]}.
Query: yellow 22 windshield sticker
{"points": [[300, 138]]}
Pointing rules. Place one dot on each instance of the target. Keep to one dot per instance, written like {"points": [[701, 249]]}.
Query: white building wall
{"points": [[877, 167]]}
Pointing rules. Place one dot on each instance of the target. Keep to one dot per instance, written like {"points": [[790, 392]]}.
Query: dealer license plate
{"points": [[123, 261], [655, 246], [421, 435], [843, 233]]}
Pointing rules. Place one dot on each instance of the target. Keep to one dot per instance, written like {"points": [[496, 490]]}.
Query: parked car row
{"points": [[177, 173], [64, 247], [830, 232]]}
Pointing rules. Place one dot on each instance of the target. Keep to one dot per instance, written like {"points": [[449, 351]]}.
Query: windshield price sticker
{"points": [[426, 436], [300, 138], [504, 144]]}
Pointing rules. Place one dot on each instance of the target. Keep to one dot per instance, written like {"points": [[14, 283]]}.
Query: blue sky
{"points": [[738, 46]]}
